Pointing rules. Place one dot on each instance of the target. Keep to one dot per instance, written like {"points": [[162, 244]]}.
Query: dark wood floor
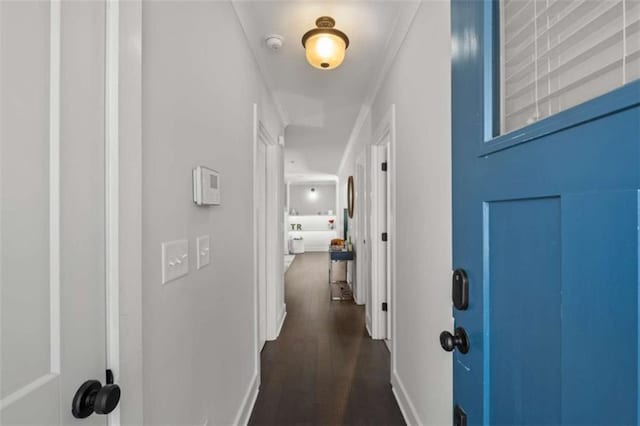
{"points": [[323, 369]]}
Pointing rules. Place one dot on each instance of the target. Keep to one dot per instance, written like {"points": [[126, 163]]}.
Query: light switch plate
{"points": [[203, 250], [175, 260]]}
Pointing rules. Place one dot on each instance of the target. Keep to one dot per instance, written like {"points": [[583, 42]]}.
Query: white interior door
{"points": [[52, 216], [387, 226], [379, 300], [383, 245], [261, 182]]}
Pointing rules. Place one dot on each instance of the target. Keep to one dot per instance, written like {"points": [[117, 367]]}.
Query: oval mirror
{"points": [[351, 197]]}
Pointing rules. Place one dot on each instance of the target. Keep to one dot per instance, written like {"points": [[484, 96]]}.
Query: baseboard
{"points": [[283, 316], [249, 400], [404, 402], [287, 265]]}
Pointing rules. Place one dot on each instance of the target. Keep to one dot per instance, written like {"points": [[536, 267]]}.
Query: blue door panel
{"points": [[600, 308], [524, 305], [584, 368]]}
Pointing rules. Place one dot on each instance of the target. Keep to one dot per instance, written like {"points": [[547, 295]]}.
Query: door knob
{"points": [[93, 397], [459, 340]]}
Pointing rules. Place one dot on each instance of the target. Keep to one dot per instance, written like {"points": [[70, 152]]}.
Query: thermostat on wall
{"points": [[206, 186]]}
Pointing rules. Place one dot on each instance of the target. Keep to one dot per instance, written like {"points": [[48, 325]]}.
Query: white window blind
{"points": [[556, 54]]}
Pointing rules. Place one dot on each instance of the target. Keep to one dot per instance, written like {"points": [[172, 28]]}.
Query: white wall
{"points": [[418, 84], [199, 350], [360, 145], [310, 223], [300, 198], [316, 232]]}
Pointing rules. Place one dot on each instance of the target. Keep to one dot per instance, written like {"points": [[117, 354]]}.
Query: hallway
{"points": [[323, 369]]}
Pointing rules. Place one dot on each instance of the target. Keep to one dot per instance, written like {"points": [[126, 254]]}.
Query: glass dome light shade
{"points": [[325, 50]]}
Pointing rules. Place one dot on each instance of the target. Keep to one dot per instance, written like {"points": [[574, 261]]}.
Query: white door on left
{"points": [[52, 208]]}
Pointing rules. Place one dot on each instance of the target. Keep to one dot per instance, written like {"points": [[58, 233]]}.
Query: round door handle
{"points": [[93, 397], [107, 399], [458, 340]]}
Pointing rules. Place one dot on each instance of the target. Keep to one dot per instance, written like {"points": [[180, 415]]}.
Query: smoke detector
{"points": [[274, 41]]}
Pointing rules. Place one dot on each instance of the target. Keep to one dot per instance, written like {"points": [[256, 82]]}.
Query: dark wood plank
{"points": [[323, 369]]}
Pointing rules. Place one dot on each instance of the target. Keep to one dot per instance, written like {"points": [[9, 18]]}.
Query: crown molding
{"points": [[268, 83], [398, 34]]}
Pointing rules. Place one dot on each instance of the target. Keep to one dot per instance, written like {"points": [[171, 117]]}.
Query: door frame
{"points": [[384, 137], [112, 194], [123, 140], [274, 256]]}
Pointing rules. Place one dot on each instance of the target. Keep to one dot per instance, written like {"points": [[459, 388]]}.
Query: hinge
{"points": [[385, 237], [384, 166], [385, 307]]}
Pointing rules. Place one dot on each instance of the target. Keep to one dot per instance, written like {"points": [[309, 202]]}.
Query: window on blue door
{"points": [[552, 55]]}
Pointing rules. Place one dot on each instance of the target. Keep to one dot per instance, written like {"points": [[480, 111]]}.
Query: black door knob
{"points": [[459, 340], [93, 397]]}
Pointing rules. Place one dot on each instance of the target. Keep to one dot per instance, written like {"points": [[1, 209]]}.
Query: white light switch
{"points": [[204, 251], [175, 260]]}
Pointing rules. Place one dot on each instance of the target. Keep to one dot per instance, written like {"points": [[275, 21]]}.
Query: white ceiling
{"points": [[320, 107]]}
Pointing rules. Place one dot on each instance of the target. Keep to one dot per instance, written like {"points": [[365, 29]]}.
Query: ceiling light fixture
{"points": [[325, 46], [313, 195]]}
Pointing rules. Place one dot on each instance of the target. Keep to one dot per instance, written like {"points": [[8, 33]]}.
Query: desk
{"points": [[340, 289]]}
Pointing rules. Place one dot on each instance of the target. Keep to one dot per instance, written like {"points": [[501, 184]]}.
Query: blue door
{"points": [[545, 225]]}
